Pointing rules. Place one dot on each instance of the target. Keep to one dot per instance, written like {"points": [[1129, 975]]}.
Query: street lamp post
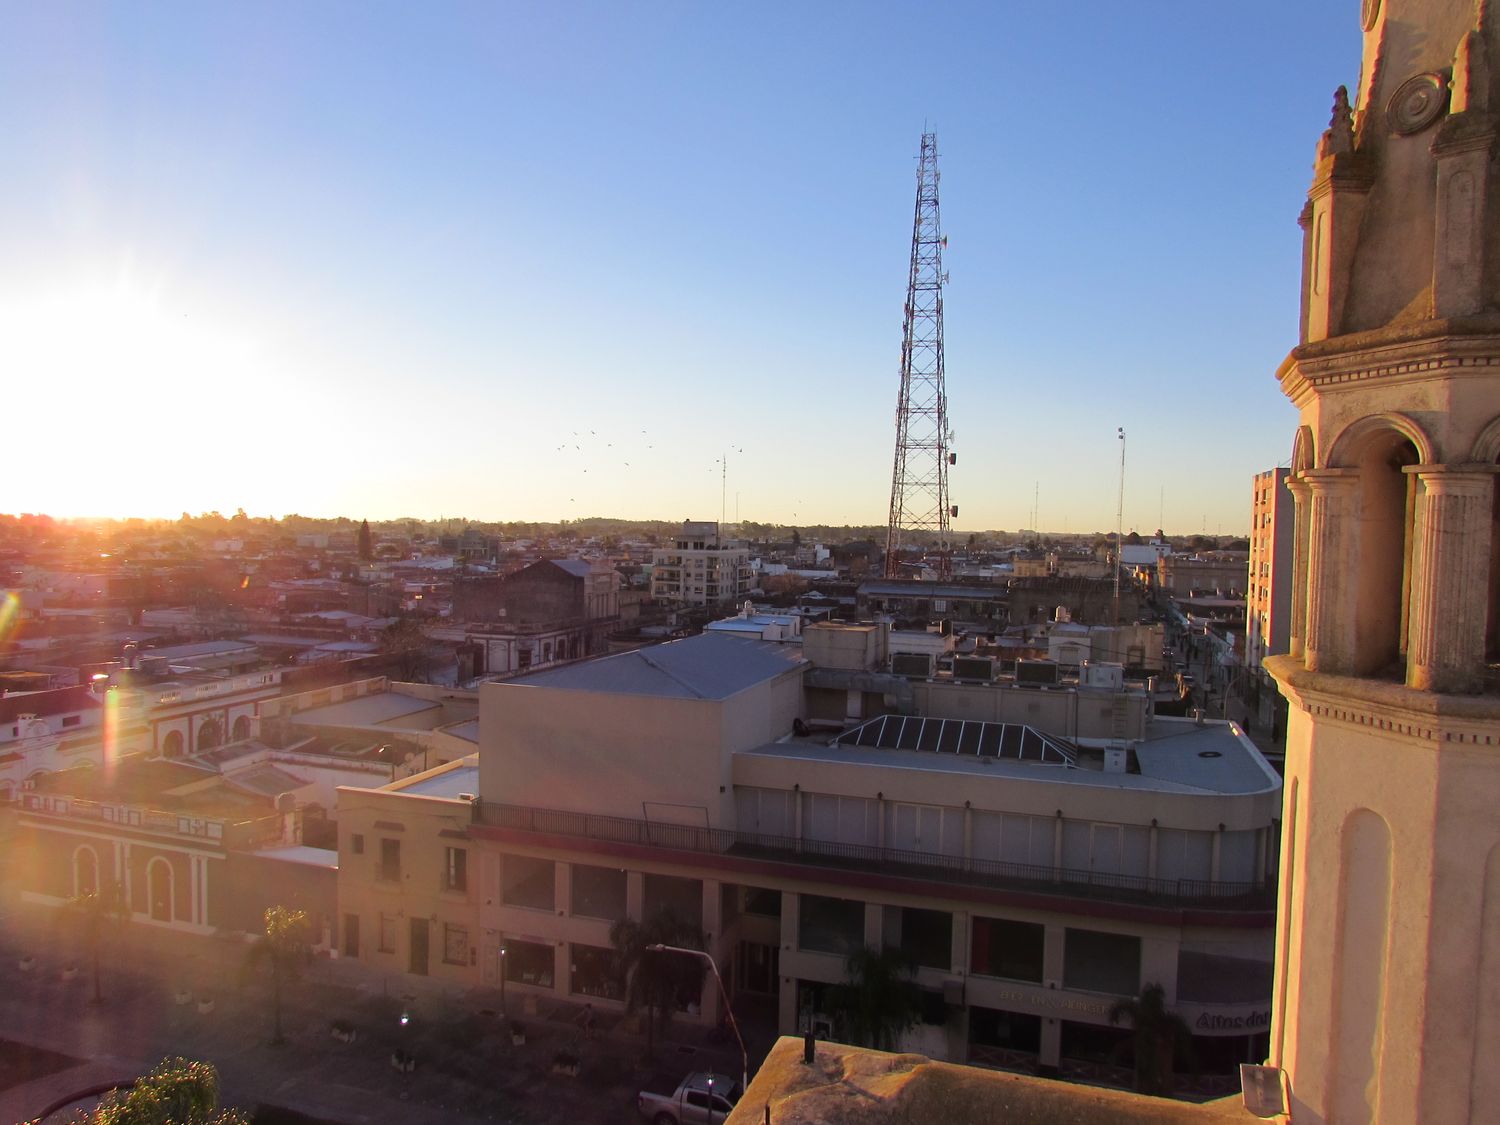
{"points": [[728, 1010], [504, 1012]]}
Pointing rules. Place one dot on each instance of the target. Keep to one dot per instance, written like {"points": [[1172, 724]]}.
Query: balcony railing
{"points": [[932, 866], [160, 822]]}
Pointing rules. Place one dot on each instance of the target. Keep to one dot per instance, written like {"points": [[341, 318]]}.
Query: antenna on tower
{"points": [[919, 480]]}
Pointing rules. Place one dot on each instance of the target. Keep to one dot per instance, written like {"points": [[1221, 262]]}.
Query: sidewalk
{"points": [[468, 1069]]}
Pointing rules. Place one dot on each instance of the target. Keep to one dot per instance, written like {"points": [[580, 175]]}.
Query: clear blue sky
{"points": [[379, 260]]}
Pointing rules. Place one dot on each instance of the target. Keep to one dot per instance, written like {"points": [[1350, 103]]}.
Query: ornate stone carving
{"points": [[1417, 103], [1340, 134]]}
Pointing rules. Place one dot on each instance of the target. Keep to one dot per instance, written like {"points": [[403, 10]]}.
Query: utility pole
{"points": [[919, 479], [1119, 524]]}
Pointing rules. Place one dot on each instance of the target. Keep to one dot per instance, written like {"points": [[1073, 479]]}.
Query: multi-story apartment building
{"points": [[1268, 608], [701, 569], [1034, 879]]}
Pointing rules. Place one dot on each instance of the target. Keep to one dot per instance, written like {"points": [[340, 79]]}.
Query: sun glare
{"points": [[120, 397]]}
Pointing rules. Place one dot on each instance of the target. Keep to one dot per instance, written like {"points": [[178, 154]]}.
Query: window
{"points": [[351, 935], [357, 843], [927, 937], [528, 882], [390, 861], [1002, 948], [527, 962], [598, 892], [830, 925], [387, 933], [72, 720], [683, 897], [591, 971], [455, 945], [759, 900], [455, 869], [1100, 962]]}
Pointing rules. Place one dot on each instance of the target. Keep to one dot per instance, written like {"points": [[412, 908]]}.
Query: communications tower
{"points": [[919, 482]]}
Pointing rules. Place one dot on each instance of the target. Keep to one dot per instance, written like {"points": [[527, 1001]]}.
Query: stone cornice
{"points": [[1435, 347], [1469, 720]]}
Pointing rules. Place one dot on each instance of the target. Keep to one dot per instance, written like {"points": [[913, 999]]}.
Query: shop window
{"points": [[527, 962], [591, 972], [1002, 948], [455, 945], [598, 892], [830, 925], [528, 882], [1100, 962]]}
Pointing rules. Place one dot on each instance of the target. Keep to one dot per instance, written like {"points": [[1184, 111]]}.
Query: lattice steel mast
{"points": [[919, 482]]}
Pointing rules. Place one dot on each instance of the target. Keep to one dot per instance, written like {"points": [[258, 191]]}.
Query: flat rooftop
{"points": [[367, 711], [708, 666], [447, 781], [1178, 756]]}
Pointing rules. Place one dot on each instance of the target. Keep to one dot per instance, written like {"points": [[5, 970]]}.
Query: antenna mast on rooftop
{"points": [[919, 483]]}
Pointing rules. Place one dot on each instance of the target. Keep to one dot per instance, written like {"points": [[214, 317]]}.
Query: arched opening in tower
{"points": [[1383, 559]]}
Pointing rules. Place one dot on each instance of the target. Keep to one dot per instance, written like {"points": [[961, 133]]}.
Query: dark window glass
{"points": [[1002, 948], [1100, 962], [830, 925], [528, 882]]}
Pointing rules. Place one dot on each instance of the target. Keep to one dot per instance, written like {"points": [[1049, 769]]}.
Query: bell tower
{"points": [[1387, 996]]}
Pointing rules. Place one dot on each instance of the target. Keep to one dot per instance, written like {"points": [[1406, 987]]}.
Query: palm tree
{"points": [[879, 1000], [281, 951], [1158, 1034], [653, 979], [101, 911]]}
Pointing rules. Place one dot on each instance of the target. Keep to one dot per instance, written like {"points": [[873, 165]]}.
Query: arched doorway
{"points": [[171, 746], [241, 729], [85, 871], [159, 890], [210, 734]]}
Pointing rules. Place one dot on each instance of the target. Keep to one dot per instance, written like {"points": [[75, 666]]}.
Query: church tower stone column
{"points": [[1302, 513], [1446, 641], [1332, 542]]}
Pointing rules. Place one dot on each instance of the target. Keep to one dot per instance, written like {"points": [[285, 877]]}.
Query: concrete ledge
{"points": [[854, 1086]]}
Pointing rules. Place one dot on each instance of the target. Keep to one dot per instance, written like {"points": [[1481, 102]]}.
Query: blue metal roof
{"points": [[709, 666]]}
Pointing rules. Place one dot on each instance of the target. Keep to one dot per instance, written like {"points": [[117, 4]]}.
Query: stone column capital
{"points": [[1331, 482], [1471, 479], [1297, 487]]}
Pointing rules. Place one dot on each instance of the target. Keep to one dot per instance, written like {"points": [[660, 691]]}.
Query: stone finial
{"points": [[1471, 75], [1339, 136]]}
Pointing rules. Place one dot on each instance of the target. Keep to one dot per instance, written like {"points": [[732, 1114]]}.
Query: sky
{"points": [[553, 261]]}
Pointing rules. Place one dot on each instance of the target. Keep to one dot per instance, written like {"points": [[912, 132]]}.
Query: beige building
{"points": [[1034, 878], [701, 569], [407, 885], [1268, 600], [1387, 1002]]}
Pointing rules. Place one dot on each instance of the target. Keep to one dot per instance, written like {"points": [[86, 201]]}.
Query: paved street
{"points": [[467, 1071]]}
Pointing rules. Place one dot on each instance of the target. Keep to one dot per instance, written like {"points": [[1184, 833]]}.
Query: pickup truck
{"points": [[698, 1099]]}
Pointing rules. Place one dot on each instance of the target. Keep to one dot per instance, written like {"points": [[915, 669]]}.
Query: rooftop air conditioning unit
{"points": [[912, 665], [1116, 759], [1036, 673], [977, 668], [467, 797]]}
